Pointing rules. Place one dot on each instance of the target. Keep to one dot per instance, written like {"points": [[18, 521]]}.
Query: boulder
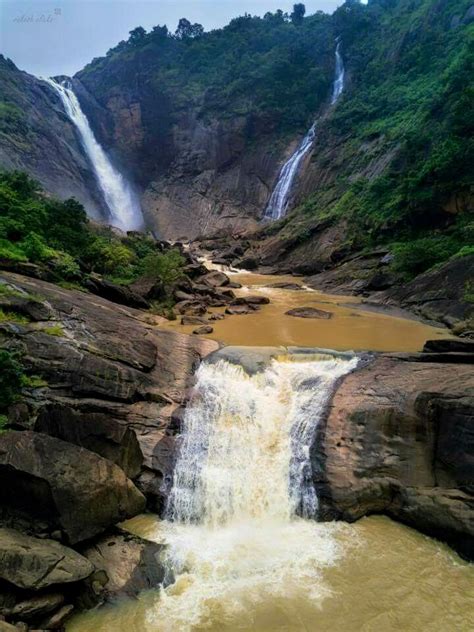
{"points": [[95, 431], [285, 285], [37, 606], [190, 308], [239, 310], [34, 563], [148, 288], [399, 440], [214, 278], [71, 488], [308, 312], [205, 329], [251, 300], [131, 564], [193, 320], [450, 345], [115, 293], [56, 620]]}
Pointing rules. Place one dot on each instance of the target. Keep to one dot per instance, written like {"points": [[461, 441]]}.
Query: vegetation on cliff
{"points": [[411, 68], [278, 66], [39, 229]]}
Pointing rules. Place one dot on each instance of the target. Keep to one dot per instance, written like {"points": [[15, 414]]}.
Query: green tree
{"points": [[298, 13]]}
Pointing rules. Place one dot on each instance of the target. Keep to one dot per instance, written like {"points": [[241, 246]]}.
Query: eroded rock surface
{"points": [[399, 439]]}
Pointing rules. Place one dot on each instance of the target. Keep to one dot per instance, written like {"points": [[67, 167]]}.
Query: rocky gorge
{"points": [[396, 439]]}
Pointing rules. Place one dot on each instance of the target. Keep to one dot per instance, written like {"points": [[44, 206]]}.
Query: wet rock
{"points": [[149, 289], [449, 345], [190, 308], [205, 329], [179, 296], [116, 293], [234, 285], [95, 431], [30, 308], [131, 564], [285, 285], [33, 563], [215, 278], [216, 317], [72, 488], [251, 300], [193, 320], [399, 440], [39, 606], [309, 312], [195, 270], [56, 621], [239, 310]]}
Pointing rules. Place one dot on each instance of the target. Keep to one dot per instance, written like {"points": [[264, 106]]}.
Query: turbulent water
{"points": [[280, 198], [123, 205]]}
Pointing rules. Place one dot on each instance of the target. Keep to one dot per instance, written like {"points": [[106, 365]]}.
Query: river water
{"points": [[242, 555], [352, 326]]}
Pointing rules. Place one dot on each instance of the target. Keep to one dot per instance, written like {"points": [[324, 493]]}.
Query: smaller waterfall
{"points": [[340, 74], [123, 205], [246, 444], [280, 198]]}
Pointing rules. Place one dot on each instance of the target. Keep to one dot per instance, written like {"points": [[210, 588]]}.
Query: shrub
{"points": [[11, 374], [168, 266]]}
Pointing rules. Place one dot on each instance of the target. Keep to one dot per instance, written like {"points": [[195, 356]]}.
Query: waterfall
{"points": [[246, 441], [123, 205], [239, 547], [280, 198]]}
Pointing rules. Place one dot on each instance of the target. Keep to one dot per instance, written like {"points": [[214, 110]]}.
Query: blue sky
{"points": [[60, 37]]}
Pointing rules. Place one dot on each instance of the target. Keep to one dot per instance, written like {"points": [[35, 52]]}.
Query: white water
{"points": [[280, 198], [236, 541], [125, 212]]}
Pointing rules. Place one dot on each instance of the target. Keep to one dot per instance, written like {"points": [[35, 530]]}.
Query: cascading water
{"points": [[279, 200], [236, 538], [123, 205]]}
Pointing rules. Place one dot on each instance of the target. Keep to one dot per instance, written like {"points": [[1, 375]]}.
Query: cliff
{"points": [[36, 136]]}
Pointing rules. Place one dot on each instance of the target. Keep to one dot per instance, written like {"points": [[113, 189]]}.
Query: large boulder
{"points": [[33, 563], [399, 439], [69, 487], [130, 563], [116, 293], [96, 431]]}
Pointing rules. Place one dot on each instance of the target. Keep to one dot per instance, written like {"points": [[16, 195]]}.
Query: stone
{"points": [[193, 320], [399, 440], [56, 621], [238, 310], [7, 627], [95, 431], [251, 300], [309, 312], [37, 606], [190, 308], [285, 285], [131, 564], [33, 563], [214, 278], [115, 293], [72, 488], [205, 329], [449, 345]]}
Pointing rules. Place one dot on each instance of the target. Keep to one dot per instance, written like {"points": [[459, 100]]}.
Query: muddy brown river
{"points": [[351, 327]]}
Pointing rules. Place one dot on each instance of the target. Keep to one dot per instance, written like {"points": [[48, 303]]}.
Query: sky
{"points": [[60, 37]]}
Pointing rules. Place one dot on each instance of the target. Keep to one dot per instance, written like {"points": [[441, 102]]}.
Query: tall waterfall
{"points": [[123, 205], [279, 200], [237, 541]]}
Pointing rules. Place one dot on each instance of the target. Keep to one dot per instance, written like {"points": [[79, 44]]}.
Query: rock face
{"points": [[38, 138], [442, 294], [130, 563], [31, 563], [109, 373], [399, 440], [69, 487]]}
